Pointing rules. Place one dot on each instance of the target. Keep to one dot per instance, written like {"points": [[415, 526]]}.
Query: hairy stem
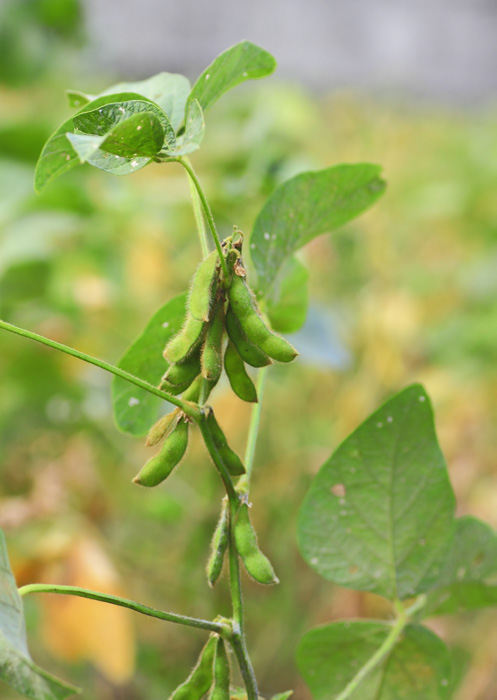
{"points": [[197, 213], [207, 212], [380, 653], [124, 603], [187, 407]]}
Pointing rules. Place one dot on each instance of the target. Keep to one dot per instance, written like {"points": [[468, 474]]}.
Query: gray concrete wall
{"points": [[441, 49]]}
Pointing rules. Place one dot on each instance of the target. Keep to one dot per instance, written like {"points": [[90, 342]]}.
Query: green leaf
{"points": [[140, 135], [17, 668], [135, 410], [469, 579], [305, 206], [379, 515], [244, 61], [58, 155], [167, 90], [283, 696], [417, 668], [194, 131], [288, 301], [77, 99]]}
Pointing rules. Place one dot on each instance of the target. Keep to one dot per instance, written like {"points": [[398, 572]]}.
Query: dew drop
{"points": [[342, 501], [245, 74], [379, 425], [252, 245], [138, 128], [314, 561], [389, 419], [267, 236], [207, 76], [165, 324], [444, 682], [422, 398], [133, 401], [134, 163]]}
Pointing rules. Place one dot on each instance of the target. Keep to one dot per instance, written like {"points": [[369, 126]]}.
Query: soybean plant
{"points": [[376, 535]]}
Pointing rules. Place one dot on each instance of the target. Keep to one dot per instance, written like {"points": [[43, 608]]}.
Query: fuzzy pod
{"points": [[172, 452], [249, 352], [162, 428], [173, 389], [219, 544], [192, 393], [222, 675], [255, 562], [184, 342], [181, 372], [200, 679], [212, 350], [230, 459], [245, 308], [202, 288], [240, 382]]}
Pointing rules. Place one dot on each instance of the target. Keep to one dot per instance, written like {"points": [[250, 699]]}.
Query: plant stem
{"points": [[238, 638], [207, 212], [197, 213], [379, 654], [187, 407], [124, 603]]}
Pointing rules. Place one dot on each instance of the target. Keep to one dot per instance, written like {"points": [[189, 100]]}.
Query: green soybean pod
{"points": [[245, 308], [161, 428], [249, 352], [172, 452], [231, 460], [240, 382], [255, 562], [212, 351], [181, 372], [184, 342], [219, 544], [200, 679], [221, 688], [173, 389], [202, 288], [192, 393]]}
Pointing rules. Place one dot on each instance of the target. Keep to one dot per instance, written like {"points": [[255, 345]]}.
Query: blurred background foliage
{"points": [[407, 293]]}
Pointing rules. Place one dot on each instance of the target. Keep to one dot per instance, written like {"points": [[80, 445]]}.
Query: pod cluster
{"points": [[216, 308]]}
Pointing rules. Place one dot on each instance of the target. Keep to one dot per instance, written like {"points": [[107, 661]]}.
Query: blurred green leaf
{"points": [[244, 61], [288, 301], [304, 207], [16, 666], [135, 410], [418, 667], [379, 515], [469, 579]]}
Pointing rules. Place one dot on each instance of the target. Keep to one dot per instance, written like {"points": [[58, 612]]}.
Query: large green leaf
{"points": [[379, 514], [417, 668], [469, 579], [17, 668], [135, 410], [305, 206], [58, 155], [288, 301], [244, 61]]}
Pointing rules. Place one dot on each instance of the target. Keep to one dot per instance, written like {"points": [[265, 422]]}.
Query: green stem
{"points": [[187, 407], [238, 639], [124, 603], [207, 212], [380, 654], [197, 213]]}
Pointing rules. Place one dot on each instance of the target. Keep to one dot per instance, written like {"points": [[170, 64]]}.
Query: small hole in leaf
{"points": [[338, 490], [353, 569]]}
